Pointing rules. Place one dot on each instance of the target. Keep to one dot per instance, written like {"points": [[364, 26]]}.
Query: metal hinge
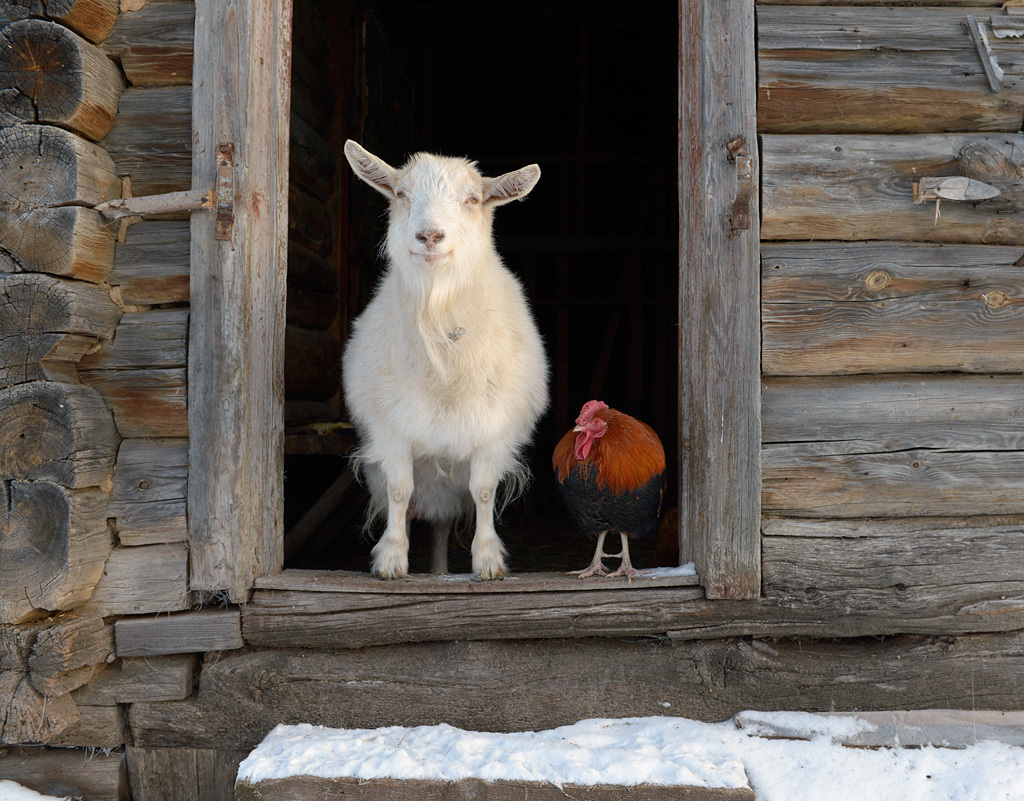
{"points": [[221, 199], [739, 156]]}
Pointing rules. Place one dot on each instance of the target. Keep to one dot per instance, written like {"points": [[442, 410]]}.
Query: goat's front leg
{"points": [[488, 552], [391, 553]]}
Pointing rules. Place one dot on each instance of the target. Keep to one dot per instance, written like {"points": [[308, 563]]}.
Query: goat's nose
{"points": [[430, 236]]}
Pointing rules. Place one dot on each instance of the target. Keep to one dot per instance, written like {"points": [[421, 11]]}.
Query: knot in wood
{"points": [[994, 299], [879, 279]]}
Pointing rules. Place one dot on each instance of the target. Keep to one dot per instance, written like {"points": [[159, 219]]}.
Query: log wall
{"points": [[892, 440], [892, 389]]}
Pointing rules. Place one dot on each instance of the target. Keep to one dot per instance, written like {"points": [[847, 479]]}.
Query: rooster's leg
{"points": [[626, 568], [596, 568]]}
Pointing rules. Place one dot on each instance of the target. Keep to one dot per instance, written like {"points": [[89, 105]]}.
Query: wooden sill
{"points": [[336, 609], [349, 581]]}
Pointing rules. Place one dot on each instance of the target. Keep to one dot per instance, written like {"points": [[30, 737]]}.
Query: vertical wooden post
{"points": [[719, 348], [240, 97]]}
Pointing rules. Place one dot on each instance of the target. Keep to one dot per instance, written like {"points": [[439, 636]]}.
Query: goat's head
{"points": [[442, 208]]}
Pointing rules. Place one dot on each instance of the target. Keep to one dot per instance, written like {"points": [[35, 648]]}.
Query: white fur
{"points": [[445, 374]]}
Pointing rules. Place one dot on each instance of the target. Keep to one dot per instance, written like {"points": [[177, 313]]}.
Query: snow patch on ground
{"points": [[11, 791], [655, 750]]}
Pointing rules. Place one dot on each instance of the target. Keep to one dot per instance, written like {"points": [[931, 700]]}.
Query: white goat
{"points": [[445, 374]]}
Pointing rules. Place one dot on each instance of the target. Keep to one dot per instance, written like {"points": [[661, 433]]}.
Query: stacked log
{"points": [[892, 331]]}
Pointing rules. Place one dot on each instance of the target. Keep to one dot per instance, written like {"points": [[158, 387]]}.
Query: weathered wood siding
{"points": [[893, 453]]}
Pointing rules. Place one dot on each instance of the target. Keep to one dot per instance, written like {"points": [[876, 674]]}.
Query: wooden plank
{"points": [[184, 633], [150, 339], [151, 266], [719, 339], [236, 334], [300, 788], [92, 19], [154, 44], [151, 139], [806, 480], [148, 499], [935, 567], [871, 70], [65, 772], [155, 678], [182, 774], [145, 403], [939, 728], [142, 579], [861, 187], [29, 717], [508, 686], [53, 550], [891, 307], [894, 413], [58, 78], [96, 727], [47, 323], [74, 642]]}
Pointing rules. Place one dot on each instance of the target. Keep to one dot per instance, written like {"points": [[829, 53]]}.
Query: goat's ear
{"points": [[511, 186], [375, 171]]}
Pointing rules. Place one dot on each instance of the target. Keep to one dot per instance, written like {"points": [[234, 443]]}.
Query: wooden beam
{"points": [[147, 501], [236, 336], [92, 19], [154, 678], [861, 187], [47, 324], [65, 772], [185, 633], [295, 788], [154, 44], [151, 265], [516, 686], [145, 403], [719, 312], [54, 546], [890, 307], [183, 774], [58, 78], [140, 580]]}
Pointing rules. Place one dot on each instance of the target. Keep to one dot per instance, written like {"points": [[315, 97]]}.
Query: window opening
{"points": [[580, 88]]}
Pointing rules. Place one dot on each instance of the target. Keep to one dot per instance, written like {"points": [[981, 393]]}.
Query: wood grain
{"points": [[54, 76], [56, 432], [183, 774], [183, 633], [151, 139], [154, 44], [237, 321], [64, 772], [47, 324], [97, 727], [154, 678], [145, 403], [891, 307], [153, 339], [873, 70], [719, 338], [141, 580], [830, 186], [151, 265], [301, 788], [503, 686], [92, 19], [47, 177], [148, 499]]}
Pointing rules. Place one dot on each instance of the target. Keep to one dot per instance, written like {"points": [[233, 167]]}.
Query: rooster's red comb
{"points": [[590, 408]]}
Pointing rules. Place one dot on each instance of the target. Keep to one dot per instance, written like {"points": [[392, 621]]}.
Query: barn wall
{"points": [[892, 457], [892, 331]]}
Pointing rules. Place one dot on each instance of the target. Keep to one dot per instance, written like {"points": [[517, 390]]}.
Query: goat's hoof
{"points": [[389, 564], [491, 572]]}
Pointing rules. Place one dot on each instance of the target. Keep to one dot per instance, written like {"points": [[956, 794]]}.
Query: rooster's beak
{"points": [[578, 429]]}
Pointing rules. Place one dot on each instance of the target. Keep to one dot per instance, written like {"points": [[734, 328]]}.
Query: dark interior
{"points": [[585, 88]]}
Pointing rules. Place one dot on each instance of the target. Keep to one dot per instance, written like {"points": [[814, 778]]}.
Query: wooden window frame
{"points": [[241, 96]]}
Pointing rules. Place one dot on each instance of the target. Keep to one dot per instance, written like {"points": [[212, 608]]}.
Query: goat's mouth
{"points": [[433, 257]]}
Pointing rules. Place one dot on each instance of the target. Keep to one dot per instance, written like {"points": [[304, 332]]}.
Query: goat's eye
{"points": [[401, 194], [473, 200]]}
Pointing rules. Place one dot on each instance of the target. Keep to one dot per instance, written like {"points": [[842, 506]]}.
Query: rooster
{"points": [[610, 471]]}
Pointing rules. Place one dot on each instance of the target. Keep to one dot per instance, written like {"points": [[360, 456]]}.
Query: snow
{"points": [[658, 751], [11, 791]]}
